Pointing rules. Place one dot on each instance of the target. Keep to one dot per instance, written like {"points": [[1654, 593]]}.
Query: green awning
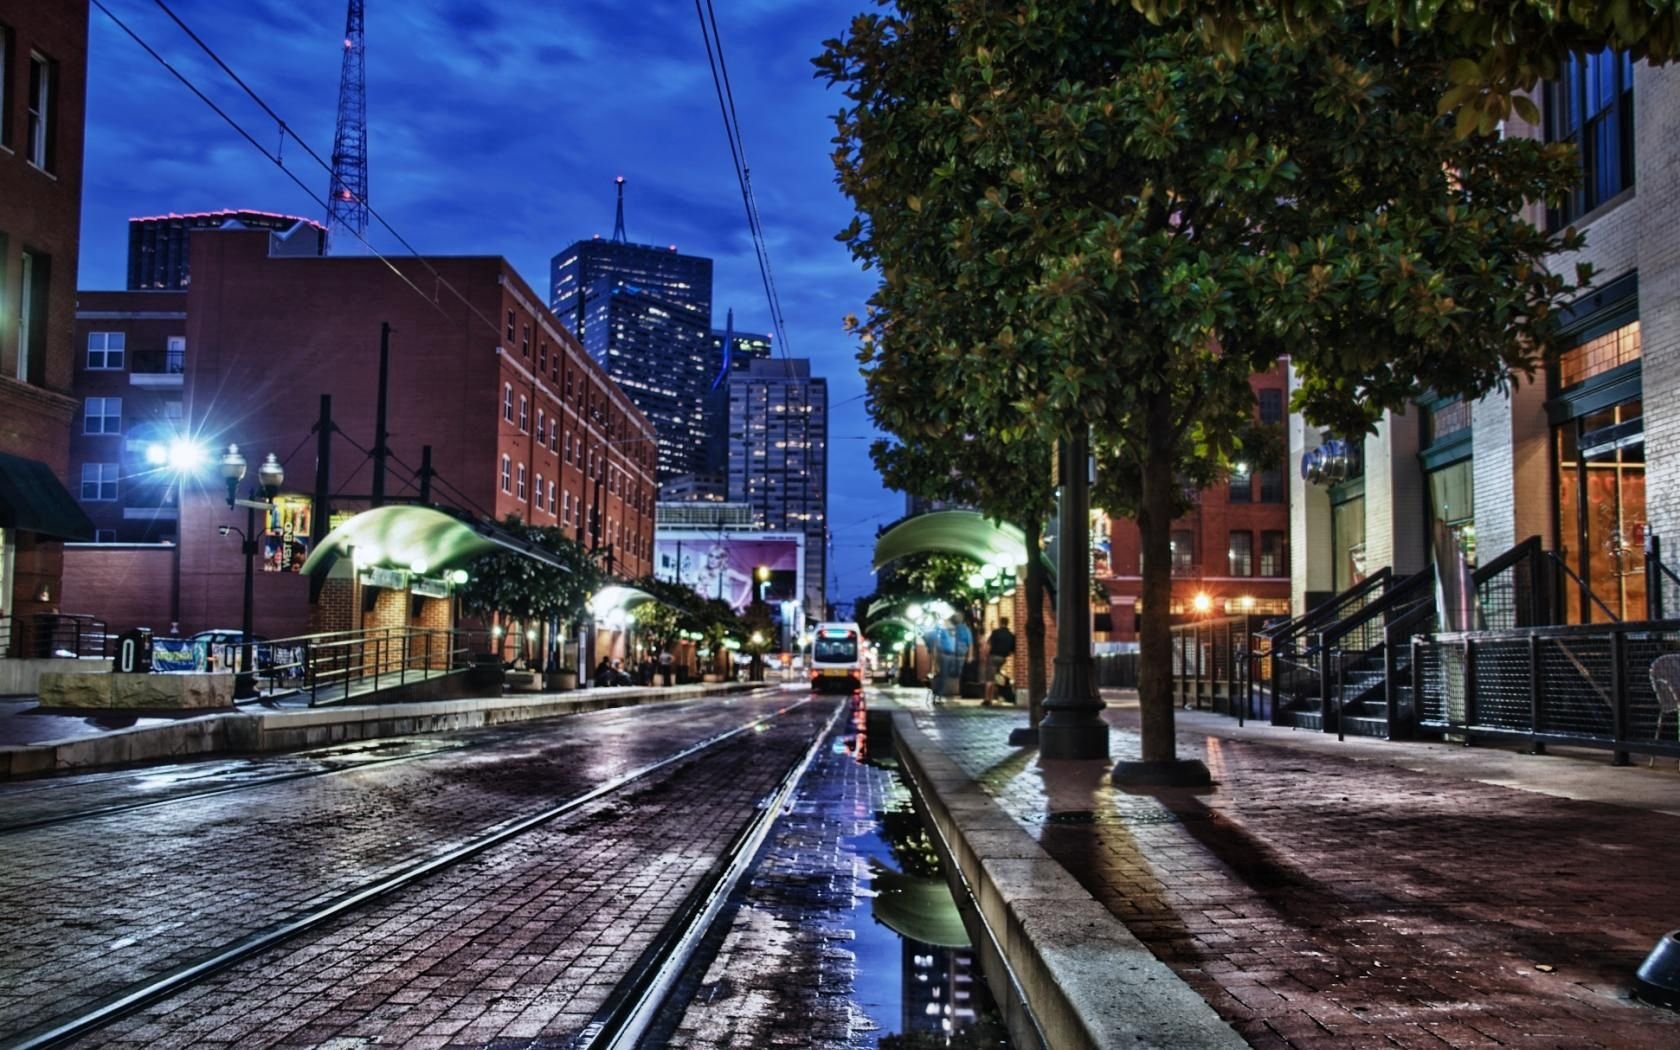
{"points": [[965, 532], [416, 539], [616, 597], [32, 499], [918, 908]]}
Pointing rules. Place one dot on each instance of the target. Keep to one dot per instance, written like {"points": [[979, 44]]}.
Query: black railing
{"points": [[1612, 686], [1349, 652], [334, 667], [1287, 648], [1215, 665], [1659, 579], [61, 635], [159, 362]]}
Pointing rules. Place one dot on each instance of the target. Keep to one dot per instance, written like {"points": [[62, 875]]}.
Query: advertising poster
{"points": [[285, 543], [724, 566]]}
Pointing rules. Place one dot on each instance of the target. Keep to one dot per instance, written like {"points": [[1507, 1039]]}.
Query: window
{"points": [[551, 497], [569, 458], [507, 474], [519, 492], [175, 358], [173, 410], [1240, 553], [43, 78], [554, 432], [566, 506], [524, 414], [1242, 484], [542, 355], [1183, 552], [104, 416], [105, 351], [537, 493], [1271, 406], [541, 424], [525, 341], [1592, 109], [5, 86], [1599, 355], [1272, 561], [510, 328], [99, 481], [1271, 486], [104, 535], [1449, 418]]}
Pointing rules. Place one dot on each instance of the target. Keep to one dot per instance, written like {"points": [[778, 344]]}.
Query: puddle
{"points": [[917, 977]]}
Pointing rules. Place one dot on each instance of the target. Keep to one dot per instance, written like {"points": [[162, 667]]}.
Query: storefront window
{"points": [[1347, 542], [1452, 501], [286, 536], [1601, 513]]}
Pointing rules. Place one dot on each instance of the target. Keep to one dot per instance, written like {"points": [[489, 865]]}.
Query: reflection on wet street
{"points": [[847, 935]]}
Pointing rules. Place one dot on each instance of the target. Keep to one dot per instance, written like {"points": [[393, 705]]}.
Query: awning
{"points": [[965, 532], [617, 597], [918, 908], [32, 499], [417, 539]]}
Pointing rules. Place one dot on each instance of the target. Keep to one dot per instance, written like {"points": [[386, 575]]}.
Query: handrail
{"points": [[1328, 608], [1526, 549], [1402, 591], [1583, 585]]}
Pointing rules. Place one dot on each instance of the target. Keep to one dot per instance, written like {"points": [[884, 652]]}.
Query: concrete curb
{"points": [[1085, 979], [246, 732]]}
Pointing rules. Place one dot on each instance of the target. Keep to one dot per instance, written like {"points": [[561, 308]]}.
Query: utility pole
{"points": [[320, 511], [380, 451]]}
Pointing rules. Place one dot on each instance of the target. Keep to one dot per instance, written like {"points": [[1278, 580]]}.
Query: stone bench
{"points": [[522, 681], [113, 689]]}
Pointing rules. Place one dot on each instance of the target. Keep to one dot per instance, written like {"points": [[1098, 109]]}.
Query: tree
{"points": [[1010, 482], [1143, 222], [525, 588]]}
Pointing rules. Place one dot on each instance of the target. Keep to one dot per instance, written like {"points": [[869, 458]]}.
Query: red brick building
{"points": [[1232, 547], [43, 76], [519, 420]]}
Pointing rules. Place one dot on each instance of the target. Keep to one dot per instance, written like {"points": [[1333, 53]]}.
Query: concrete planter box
{"points": [[111, 689], [560, 681]]}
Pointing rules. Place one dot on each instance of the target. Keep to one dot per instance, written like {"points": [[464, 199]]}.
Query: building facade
{"points": [[644, 314], [159, 246], [43, 77], [129, 384], [778, 458], [732, 352], [484, 383], [1230, 551], [1571, 456]]}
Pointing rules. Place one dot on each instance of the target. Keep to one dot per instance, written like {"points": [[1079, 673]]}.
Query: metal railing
{"points": [[60, 635], [1287, 649], [1215, 666], [159, 362], [1612, 686], [335, 666]]}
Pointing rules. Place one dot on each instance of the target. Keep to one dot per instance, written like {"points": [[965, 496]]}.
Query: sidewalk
{"points": [[1322, 894], [34, 742]]}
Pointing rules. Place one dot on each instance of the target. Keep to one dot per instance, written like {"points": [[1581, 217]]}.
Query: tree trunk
{"points": [[1155, 701], [1037, 670]]}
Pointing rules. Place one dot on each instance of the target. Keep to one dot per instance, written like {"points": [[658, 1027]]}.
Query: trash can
{"points": [[486, 673], [134, 651]]}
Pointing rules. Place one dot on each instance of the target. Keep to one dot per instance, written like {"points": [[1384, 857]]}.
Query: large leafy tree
{"points": [[1083, 219], [526, 589], [1011, 482]]}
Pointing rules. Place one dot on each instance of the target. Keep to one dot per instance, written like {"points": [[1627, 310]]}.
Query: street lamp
{"points": [[269, 478]]}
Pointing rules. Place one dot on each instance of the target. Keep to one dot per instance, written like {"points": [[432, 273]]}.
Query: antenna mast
{"points": [[618, 223], [347, 193]]}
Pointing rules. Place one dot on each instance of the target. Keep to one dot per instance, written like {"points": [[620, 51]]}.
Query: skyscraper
{"points": [[645, 314], [778, 458], [732, 351]]}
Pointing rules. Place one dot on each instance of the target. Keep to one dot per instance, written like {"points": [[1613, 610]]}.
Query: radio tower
{"points": [[347, 193], [618, 223]]}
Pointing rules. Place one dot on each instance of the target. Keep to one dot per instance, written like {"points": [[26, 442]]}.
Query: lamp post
{"points": [[269, 478]]}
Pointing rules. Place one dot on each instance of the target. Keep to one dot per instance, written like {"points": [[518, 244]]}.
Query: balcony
{"points": [[158, 368]]}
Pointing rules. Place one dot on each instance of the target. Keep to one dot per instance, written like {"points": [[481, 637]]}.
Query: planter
{"points": [[560, 681]]}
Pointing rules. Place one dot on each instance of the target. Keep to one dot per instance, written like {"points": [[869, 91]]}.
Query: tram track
{"points": [[72, 1026], [610, 717]]}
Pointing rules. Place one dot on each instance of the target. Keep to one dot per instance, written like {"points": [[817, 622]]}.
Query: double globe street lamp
{"points": [[269, 478]]}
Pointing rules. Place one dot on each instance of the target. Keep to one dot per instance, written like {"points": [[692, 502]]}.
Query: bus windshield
{"points": [[835, 650]]}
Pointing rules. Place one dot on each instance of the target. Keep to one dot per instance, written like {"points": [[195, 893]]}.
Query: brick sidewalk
{"points": [[1318, 900]]}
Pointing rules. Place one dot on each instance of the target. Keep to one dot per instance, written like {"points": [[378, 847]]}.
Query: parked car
{"points": [[224, 645]]}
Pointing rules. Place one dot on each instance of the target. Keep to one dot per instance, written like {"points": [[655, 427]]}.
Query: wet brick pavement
{"points": [[1317, 901], [92, 906], [517, 947]]}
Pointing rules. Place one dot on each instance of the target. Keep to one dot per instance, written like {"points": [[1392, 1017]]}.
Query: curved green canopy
{"points": [[618, 597], [965, 532], [414, 538], [918, 908]]}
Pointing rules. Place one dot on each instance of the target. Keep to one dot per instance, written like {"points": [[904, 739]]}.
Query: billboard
{"points": [[722, 565]]}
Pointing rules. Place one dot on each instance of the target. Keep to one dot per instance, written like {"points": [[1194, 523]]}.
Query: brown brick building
{"points": [[519, 420], [43, 75], [1233, 545]]}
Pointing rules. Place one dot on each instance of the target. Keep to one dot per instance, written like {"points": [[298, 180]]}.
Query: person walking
{"points": [[1000, 646], [955, 640]]}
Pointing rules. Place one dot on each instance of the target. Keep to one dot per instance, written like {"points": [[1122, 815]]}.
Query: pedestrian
{"points": [[1000, 646], [667, 664], [955, 641], [603, 673]]}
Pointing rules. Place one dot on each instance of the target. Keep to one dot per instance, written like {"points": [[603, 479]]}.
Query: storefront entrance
{"points": [[1601, 513]]}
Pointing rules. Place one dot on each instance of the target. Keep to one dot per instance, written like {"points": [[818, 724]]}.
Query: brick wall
{"points": [[127, 586]]}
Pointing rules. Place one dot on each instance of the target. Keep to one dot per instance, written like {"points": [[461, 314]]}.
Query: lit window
{"points": [[519, 494], [524, 414], [507, 402], [1592, 109], [537, 493], [105, 351], [541, 415], [551, 498], [507, 474], [99, 481]]}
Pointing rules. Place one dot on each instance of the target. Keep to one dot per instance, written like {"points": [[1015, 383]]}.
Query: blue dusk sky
{"points": [[497, 129]]}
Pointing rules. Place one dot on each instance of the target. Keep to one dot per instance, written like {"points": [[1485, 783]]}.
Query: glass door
{"points": [[1601, 513]]}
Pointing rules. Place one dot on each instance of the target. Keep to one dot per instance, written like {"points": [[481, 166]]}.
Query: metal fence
{"points": [[1215, 665], [335, 666], [1612, 686], [61, 635], [1116, 670]]}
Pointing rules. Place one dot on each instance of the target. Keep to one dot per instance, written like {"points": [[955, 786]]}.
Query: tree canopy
{"points": [[1085, 219], [515, 585]]}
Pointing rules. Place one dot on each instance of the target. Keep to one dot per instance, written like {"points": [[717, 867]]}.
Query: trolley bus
{"points": [[837, 657]]}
